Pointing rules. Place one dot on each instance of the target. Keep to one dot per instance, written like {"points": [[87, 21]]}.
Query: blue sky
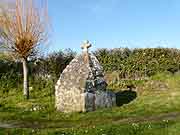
{"points": [[114, 23]]}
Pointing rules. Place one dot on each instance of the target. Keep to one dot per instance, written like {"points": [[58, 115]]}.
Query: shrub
{"points": [[139, 63]]}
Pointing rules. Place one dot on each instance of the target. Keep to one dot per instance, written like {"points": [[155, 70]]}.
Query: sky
{"points": [[114, 23]]}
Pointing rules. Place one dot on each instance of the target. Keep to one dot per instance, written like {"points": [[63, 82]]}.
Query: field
{"points": [[136, 46], [151, 109]]}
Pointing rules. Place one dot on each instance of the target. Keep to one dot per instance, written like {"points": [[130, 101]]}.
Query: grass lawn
{"points": [[154, 111]]}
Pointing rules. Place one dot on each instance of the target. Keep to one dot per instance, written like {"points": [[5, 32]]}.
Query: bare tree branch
{"points": [[24, 27]]}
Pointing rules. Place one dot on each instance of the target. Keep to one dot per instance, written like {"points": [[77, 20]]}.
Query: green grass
{"points": [[143, 115], [158, 128]]}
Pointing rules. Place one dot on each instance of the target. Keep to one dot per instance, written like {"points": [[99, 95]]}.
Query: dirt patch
{"points": [[161, 117]]}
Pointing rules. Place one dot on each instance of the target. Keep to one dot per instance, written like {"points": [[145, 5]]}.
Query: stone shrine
{"points": [[81, 86]]}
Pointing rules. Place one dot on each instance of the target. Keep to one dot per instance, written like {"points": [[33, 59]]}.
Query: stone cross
{"points": [[85, 46]]}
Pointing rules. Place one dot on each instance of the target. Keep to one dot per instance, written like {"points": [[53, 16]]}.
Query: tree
{"points": [[57, 62], [23, 29]]}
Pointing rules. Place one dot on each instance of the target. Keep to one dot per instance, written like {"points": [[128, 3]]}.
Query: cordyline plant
{"points": [[24, 27]]}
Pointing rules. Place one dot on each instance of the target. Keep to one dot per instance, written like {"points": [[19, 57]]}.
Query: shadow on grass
{"points": [[125, 97]]}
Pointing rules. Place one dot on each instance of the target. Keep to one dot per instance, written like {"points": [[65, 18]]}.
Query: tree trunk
{"points": [[26, 81]]}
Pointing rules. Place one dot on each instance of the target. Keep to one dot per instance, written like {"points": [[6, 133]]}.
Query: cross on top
{"points": [[85, 46]]}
